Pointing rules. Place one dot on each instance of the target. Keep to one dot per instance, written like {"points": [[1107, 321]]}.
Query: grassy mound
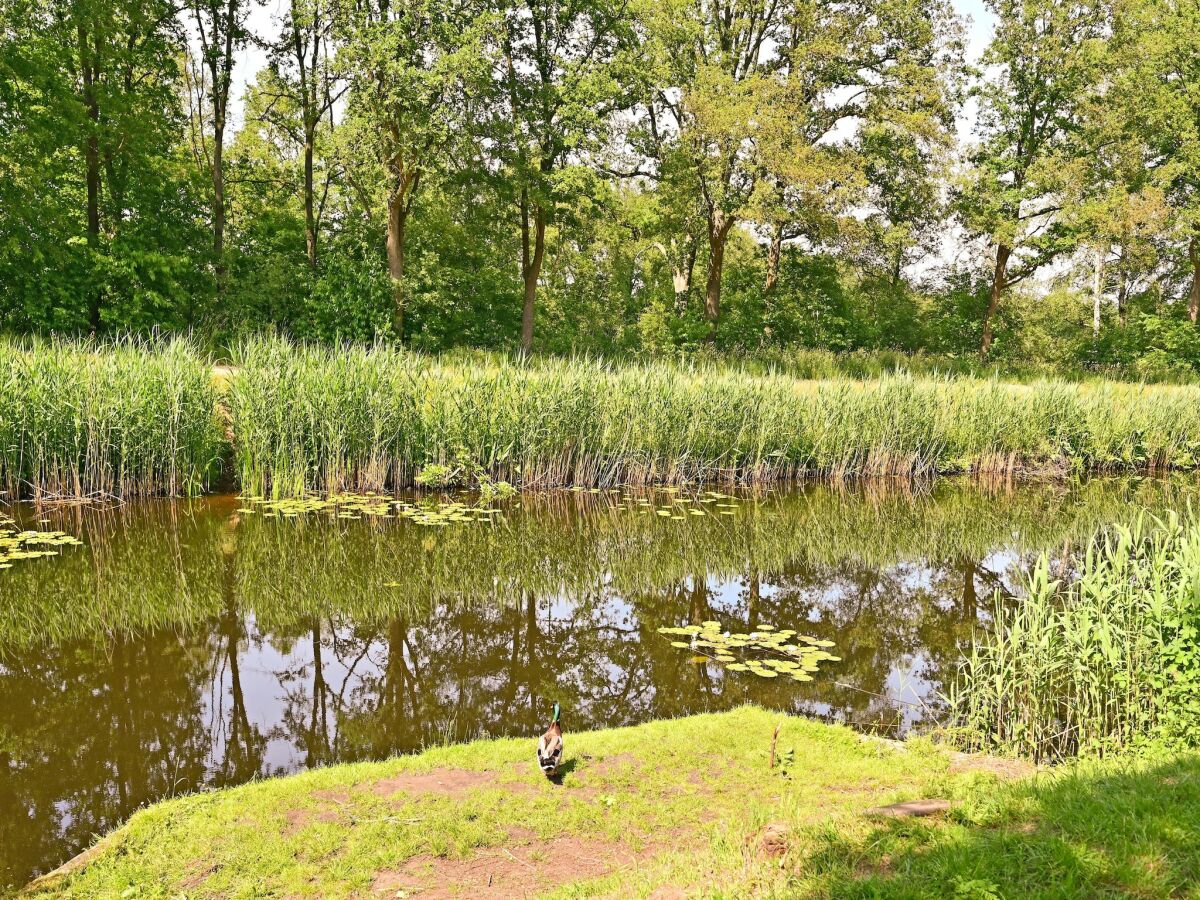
{"points": [[690, 804]]}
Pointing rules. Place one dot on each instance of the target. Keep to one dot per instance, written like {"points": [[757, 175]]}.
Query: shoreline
{"points": [[669, 808], [718, 771]]}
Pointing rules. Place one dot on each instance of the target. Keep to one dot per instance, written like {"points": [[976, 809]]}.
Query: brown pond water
{"points": [[187, 646]]}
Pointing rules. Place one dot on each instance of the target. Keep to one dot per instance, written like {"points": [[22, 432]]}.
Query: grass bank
{"points": [[124, 419], [690, 804], [372, 418]]}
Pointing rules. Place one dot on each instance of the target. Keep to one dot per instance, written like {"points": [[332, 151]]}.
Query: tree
{"points": [[1157, 57], [220, 28], [1112, 204], [414, 66], [559, 78], [304, 90], [96, 227], [1042, 62], [747, 93]]}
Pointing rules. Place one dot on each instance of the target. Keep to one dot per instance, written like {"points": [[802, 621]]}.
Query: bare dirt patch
{"points": [[1006, 769], [611, 765], [910, 809], [333, 796], [299, 819], [197, 873], [773, 839], [447, 782], [525, 869]]}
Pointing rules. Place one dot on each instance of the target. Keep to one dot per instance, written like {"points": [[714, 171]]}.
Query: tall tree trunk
{"points": [[1194, 300], [531, 266], [218, 179], [1003, 252], [310, 217], [681, 281], [397, 222], [773, 254], [91, 156], [718, 234], [682, 259], [1098, 289], [1122, 296]]}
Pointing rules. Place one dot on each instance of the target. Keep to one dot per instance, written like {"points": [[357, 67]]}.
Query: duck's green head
{"points": [[557, 710]]}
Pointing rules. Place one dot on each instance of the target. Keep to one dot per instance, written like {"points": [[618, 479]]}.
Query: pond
{"points": [[191, 645]]}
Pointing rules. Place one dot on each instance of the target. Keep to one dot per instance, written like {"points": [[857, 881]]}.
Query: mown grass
{"points": [[370, 418], [121, 419], [674, 804], [1103, 659], [810, 363]]}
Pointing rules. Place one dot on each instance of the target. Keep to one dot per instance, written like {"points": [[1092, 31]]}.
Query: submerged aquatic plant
{"points": [[763, 651], [16, 545]]}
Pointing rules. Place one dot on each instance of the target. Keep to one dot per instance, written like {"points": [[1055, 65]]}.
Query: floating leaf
{"points": [[764, 652]]}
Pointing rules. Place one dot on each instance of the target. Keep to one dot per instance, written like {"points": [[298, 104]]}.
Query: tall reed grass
{"points": [[1100, 662], [308, 417], [123, 418]]}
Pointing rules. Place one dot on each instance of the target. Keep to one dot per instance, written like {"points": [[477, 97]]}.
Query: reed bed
{"points": [[358, 418], [119, 419], [1100, 662]]}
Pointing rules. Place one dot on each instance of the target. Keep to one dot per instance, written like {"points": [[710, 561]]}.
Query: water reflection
{"points": [[188, 646]]}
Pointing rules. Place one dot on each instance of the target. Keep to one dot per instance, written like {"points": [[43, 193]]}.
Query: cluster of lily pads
{"points": [[764, 651], [16, 545], [678, 506], [429, 512]]}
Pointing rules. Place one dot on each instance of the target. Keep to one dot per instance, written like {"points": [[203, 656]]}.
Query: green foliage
{"points": [[500, 157], [92, 95]]}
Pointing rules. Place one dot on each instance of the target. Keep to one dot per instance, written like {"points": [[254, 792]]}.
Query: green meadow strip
{"points": [[372, 418], [121, 418]]}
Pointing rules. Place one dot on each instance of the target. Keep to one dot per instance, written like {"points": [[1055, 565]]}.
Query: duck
{"points": [[550, 745]]}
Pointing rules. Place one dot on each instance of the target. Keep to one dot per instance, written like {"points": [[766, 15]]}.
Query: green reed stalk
{"points": [[1105, 660], [123, 418], [370, 418]]}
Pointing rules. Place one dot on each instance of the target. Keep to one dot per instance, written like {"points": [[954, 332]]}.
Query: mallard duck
{"points": [[550, 745]]}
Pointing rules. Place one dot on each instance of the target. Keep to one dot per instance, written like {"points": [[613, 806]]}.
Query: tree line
{"points": [[608, 175]]}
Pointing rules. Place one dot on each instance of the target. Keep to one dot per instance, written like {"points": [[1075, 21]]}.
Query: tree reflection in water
{"points": [[187, 646]]}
